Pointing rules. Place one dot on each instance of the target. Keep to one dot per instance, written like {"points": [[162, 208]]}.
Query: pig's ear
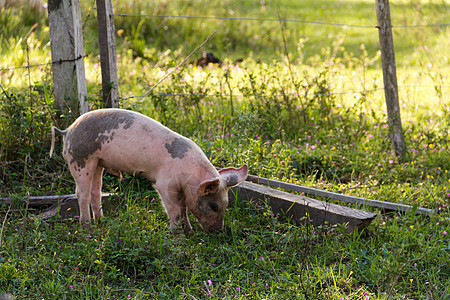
{"points": [[234, 176], [208, 187]]}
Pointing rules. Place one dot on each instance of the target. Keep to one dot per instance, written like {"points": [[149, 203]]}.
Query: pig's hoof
{"points": [[188, 231], [98, 220], [176, 230], [179, 230], [85, 225]]}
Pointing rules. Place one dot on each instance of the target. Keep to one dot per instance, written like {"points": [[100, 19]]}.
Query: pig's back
{"points": [[101, 127], [127, 141]]}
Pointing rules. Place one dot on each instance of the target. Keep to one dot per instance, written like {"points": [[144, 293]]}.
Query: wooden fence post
{"points": [[69, 81], [108, 58], [390, 79]]}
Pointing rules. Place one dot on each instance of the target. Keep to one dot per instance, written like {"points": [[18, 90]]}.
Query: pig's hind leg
{"points": [[96, 193], [83, 179]]}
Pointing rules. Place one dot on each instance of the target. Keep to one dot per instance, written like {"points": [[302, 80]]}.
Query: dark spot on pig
{"points": [[178, 148], [232, 180], [146, 128], [91, 131]]}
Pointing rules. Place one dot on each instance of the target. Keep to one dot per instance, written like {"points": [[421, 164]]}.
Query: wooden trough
{"points": [[297, 208], [383, 205]]}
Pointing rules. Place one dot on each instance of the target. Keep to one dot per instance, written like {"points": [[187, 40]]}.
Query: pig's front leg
{"points": [[174, 203], [180, 222]]}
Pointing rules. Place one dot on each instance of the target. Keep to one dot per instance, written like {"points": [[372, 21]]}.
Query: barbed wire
{"points": [[274, 20], [43, 64], [225, 95], [246, 95], [421, 25], [273, 95], [243, 19]]}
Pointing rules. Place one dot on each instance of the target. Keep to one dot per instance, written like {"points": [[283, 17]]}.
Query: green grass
{"points": [[132, 253], [317, 119]]}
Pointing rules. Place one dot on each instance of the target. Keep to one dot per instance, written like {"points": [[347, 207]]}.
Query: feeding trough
{"points": [[385, 206], [296, 207]]}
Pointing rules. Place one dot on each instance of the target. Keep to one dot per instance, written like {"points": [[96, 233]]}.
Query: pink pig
{"points": [[122, 140]]}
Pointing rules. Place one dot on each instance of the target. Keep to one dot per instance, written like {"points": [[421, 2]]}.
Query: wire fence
{"points": [[352, 92], [43, 64], [319, 23], [276, 20]]}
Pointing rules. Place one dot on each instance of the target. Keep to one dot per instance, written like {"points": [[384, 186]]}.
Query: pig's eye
{"points": [[214, 207]]}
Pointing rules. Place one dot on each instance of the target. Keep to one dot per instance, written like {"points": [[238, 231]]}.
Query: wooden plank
{"points": [[66, 37], [350, 199], [296, 207], [390, 78], [46, 200], [67, 206], [40, 200], [108, 58]]}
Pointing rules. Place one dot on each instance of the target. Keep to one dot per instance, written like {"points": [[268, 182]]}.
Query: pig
{"points": [[125, 141]]}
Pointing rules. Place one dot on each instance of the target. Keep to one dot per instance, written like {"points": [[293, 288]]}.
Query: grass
{"points": [[132, 253], [316, 119]]}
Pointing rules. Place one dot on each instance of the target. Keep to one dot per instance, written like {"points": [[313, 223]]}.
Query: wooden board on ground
{"points": [[295, 207], [67, 206], [350, 199], [36, 201]]}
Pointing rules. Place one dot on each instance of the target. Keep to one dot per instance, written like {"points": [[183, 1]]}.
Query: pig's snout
{"points": [[215, 227]]}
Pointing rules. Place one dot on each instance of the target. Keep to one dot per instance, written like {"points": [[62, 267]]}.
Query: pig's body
{"points": [[120, 140]]}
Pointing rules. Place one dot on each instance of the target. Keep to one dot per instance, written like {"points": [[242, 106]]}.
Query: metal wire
{"points": [[249, 95], [243, 19], [421, 25], [44, 64], [273, 20], [273, 95]]}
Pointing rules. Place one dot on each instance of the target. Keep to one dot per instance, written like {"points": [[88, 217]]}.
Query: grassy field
{"points": [[305, 105]]}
